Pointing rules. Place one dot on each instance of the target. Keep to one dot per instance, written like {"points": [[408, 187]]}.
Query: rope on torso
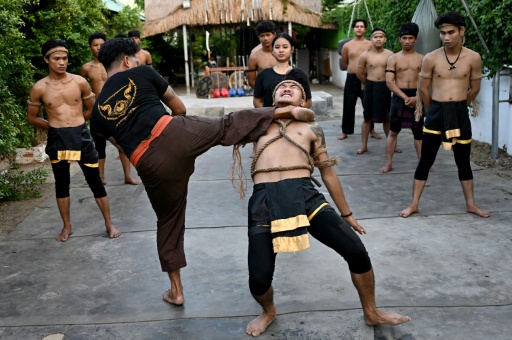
{"points": [[282, 134]]}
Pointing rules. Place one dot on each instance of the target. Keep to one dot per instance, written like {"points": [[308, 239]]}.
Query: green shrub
{"points": [[17, 184]]}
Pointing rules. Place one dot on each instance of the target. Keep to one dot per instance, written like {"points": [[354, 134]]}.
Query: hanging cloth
{"points": [[428, 37]]}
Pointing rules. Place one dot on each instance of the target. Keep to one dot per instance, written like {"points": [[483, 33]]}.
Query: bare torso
{"points": [[282, 153], [259, 60], [353, 49], [264, 59], [95, 72], [62, 99], [452, 85], [375, 64], [144, 57], [407, 66]]}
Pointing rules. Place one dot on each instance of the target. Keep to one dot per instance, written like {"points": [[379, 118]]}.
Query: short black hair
{"points": [[134, 33], [409, 28], [450, 18], [52, 43], [97, 35], [359, 20], [266, 26], [116, 49], [121, 35]]}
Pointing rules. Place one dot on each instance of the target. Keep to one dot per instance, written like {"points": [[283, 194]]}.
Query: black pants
{"points": [[351, 92], [430, 147], [327, 227], [63, 179]]}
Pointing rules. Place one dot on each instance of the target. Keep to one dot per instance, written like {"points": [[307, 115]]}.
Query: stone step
{"points": [[216, 107]]}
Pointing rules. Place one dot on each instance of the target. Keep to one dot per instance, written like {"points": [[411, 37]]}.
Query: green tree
{"points": [[493, 18], [15, 80], [24, 27]]}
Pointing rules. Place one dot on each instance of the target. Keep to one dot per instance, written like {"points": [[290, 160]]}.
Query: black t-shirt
{"points": [[129, 106], [266, 82]]}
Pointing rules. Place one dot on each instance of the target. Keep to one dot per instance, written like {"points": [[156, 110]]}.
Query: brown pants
{"points": [[165, 169]]}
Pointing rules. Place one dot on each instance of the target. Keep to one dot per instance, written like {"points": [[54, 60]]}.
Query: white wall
{"points": [[482, 125], [338, 76]]}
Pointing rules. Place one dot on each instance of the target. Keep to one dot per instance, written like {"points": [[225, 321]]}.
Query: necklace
{"points": [[452, 65]]}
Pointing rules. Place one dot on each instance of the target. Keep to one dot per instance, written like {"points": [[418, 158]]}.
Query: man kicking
{"points": [[163, 148], [402, 80], [453, 73], [285, 206]]}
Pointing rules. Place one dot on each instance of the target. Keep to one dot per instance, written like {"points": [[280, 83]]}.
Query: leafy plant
{"points": [[20, 185], [492, 17], [25, 25]]}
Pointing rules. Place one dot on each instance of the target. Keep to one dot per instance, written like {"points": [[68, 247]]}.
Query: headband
{"points": [[377, 32], [293, 82], [56, 49]]}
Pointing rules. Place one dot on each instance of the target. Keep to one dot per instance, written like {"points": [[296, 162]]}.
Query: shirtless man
{"points": [[402, 78], [448, 72], [63, 96], [289, 195], [96, 74], [262, 58], [350, 53], [143, 55], [371, 71]]}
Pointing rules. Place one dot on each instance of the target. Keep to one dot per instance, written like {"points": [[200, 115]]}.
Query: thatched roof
{"points": [[165, 15]]}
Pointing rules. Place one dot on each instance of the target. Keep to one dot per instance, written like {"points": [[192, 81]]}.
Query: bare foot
{"points": [[64, 234], [386, 168], [382, 318], [342, 136], [408, 211], [177, 301], [375, 135], [113, 232], [361, 151], [260, 324], [131, 180], [477, 211], [398, 150]]}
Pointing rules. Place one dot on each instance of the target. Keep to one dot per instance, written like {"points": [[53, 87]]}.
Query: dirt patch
{"points": [[13, 212], [481, 155]]}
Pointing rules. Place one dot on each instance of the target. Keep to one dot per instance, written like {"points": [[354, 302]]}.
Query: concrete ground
{"points": [[448, 270]]}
